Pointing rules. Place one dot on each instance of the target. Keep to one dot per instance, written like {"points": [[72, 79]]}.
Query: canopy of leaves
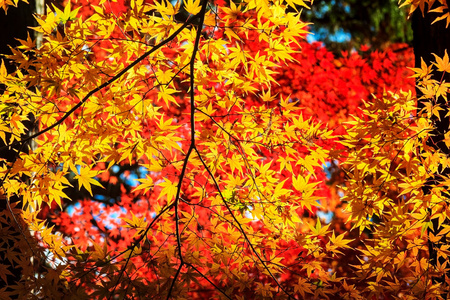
{"points": [[209, 137]]}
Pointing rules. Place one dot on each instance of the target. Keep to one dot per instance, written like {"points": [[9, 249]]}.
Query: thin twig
{"points": [[240, 226], [207, 279], [201, 15]]}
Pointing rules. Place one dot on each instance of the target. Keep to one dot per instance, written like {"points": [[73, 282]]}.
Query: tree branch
{"points": [[201, 15], [240, 226], [107, 83]]}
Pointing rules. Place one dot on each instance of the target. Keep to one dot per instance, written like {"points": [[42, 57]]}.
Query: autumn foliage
{"points": [[188, 150]]}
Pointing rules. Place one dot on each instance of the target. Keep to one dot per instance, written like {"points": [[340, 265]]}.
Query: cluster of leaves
{"points": [[397, 190], [196, 101], [429, 6], [172, 98], [331, 88]]}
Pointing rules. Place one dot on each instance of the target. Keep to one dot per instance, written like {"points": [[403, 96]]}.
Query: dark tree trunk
{"points": [[428, 40], [13, 25]]}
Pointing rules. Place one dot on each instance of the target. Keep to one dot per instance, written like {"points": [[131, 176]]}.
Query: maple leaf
{"points": [[48, 24], [146, 184], [169, 189], [423, 71], [441, 9], [85, 178], [100, 252], [4, 272], [166, 7], [137, 223], [68, 14], [303, 286], [318, 229], [192, 6], [166, 95], [339, 241], [442, 64], [3, 72], [232, 12], [296, 3], [164, 76], [135, 251]]}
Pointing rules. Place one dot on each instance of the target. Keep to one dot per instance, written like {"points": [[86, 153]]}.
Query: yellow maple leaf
{"points": [[166, 95], [441, 9], [164, 77], [146, 184], [192, 6], [169, 189], [3, 72], [296, 3], [423, 71], [318, 230], [442, 64], [447, 139], [340, 241], [85, 179], [48, 24]]}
